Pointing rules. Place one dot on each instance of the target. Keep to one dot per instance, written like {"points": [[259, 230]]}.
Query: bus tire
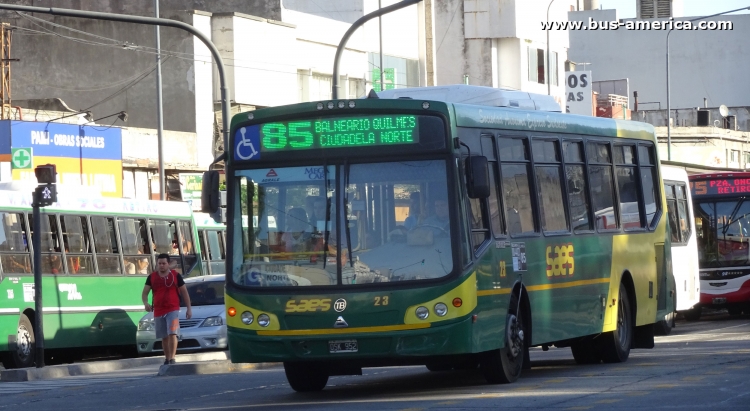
{"points": [[23, 355], [614, 346], [584, 352], [504, 365], [734, 310], [304, 377], [438, 367], [664, 327], [693, 314]]}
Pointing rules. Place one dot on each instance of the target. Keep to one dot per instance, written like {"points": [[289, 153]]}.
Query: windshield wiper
{"points": [[328, 215], [346, 214]]}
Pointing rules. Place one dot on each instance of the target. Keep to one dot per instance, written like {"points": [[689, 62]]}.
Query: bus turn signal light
{"points": [[457, 302], [232, 312]]}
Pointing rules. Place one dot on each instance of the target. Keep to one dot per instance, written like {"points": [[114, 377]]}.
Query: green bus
{"points": [[452, 227], [212, 239], [95, 256]]}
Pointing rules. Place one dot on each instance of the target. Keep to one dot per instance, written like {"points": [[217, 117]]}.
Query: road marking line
{"points": [[557, 380], [578, 408], [638, 393], [608, 401], [714, 373], [693, 378], [666, 385], [737, 367]]}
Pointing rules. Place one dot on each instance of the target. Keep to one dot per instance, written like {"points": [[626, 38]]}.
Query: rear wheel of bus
{"points": [[614, 346], [23, 355], [305, 377], [504, 365]]}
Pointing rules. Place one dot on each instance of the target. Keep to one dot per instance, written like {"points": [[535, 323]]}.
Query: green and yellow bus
{"points": [[95, 255], [452, 227]]}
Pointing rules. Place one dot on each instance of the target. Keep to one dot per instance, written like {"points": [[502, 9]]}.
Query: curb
{"points": [[86, 368], [212, 367]]}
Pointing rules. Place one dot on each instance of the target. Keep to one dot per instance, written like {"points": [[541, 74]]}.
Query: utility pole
{"points": [[44, 195], [159, 113], [380, 33]]}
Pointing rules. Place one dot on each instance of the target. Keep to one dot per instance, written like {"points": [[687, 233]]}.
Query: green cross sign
{"points": [[21, 158]]}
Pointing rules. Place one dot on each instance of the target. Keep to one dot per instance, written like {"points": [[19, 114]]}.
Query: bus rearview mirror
{"points": [[477, 177], [210, 192]]}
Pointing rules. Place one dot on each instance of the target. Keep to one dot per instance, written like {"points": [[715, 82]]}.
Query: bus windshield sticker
{"points": [[519, 256], [286, 174]]}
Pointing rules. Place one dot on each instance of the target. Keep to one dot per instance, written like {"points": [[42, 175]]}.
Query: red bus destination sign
{"points": [[720, 186]]}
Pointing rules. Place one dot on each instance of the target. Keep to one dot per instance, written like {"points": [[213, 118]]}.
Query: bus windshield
{"points": [[723, 229], [386, 220]]}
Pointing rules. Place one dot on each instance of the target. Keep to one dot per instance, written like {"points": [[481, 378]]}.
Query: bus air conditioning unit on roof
{"points": [[482, 96]]}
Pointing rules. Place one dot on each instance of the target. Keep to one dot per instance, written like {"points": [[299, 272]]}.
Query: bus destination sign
{"points": [[325, 133], [721, 186]]}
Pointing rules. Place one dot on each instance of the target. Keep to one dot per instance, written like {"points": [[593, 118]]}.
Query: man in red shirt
{"points": [[167, 286]]}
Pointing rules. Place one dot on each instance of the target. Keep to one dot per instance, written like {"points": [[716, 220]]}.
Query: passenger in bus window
{"points": [[296, 238], [415, 208], [439, 221]]}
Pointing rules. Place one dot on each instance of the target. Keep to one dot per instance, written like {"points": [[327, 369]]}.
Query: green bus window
{"points": [[105, 245], [630, 213], [134, 245], [479, 231], [517, 199], [551, 204], [14, 250], [601, 182], [512, 149], [573, 151], [216, 252], [50, 244], [545, 151], [625, 154], [164, 235], [78, 256], [578, 201], [188, 249], [648, 179], [645, 155], [496, 219]]}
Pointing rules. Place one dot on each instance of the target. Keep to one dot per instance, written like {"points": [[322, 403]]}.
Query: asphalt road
{"points": [[701, 365]]}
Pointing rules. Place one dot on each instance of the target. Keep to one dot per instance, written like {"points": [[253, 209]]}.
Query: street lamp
{"points": [[669, 108], [549, 80]]}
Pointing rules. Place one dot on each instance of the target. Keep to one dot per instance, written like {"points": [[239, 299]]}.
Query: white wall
{"points": [[711, 64]]}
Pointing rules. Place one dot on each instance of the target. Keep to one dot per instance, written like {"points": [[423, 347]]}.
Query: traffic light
{"points": [[46, 174], [46, 193]]}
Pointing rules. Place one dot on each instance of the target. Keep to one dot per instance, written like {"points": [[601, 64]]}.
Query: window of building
{"points": [[536, 65]]}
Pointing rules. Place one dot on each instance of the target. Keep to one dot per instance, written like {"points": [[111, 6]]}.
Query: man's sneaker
{"points": [[166, 362], [172, 361]]}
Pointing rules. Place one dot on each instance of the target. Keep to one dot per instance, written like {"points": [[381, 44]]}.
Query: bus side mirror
{"points": [[210, 192], [477, 177]]}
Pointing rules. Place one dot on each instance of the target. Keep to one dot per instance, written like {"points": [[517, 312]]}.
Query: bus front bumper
{"points": [[450, 339]]}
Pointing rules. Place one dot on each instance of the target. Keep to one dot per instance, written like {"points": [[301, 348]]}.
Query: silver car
{"points": [[206, 330]]}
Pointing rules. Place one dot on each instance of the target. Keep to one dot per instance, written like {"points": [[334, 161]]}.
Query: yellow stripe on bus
{"points": [[543, 287], [357, 330]]}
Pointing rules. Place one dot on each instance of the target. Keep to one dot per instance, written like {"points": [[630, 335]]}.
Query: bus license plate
{"points": [[342, 346], [719, 300]]}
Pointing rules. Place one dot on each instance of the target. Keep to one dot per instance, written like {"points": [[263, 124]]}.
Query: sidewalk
{"points": [[187, 364]]}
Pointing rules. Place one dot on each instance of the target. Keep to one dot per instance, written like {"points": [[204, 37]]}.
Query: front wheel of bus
{"points": [[504, 365], [23, 355], [304, 377], [614, 346]]}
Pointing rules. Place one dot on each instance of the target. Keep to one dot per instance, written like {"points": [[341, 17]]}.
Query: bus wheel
{"points": [[504, 365], [584, 352], [734, 310], [693, 314], [614, 346], [23, 355], [304, 377]]}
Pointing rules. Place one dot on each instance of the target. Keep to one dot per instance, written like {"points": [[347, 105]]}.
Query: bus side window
{"points": [[134, 245], [188, 249], [602, 185], [649, 184], [578, 200], [630, 214], [496, 218], [105, 244], [686, 228], [517, 198], [216, 252], [548, 171], [50, 244], [164, 235], [78, 256], [14, 249], [672, 213]]}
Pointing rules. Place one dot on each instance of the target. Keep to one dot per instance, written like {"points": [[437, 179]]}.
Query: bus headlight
{"points": [[146, 325], [212, 322], [422, 313], [247, 318], [264, 320], [441, 309]]}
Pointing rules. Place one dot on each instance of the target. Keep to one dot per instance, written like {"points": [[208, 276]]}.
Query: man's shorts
{"points": [[167, 324]]}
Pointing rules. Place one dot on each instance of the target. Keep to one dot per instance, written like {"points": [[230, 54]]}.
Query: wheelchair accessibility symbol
{"points": [[247, 139]]}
